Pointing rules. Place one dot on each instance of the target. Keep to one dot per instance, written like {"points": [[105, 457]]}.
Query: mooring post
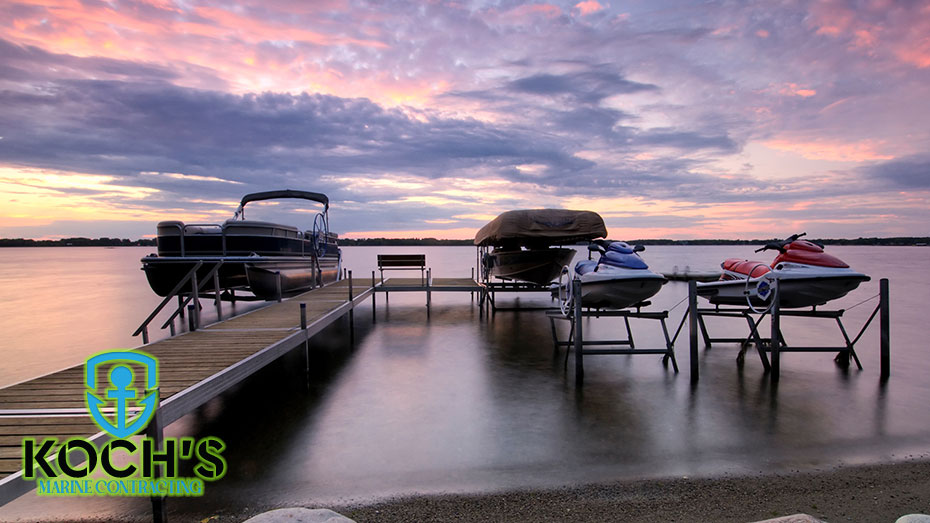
{"points": [[216, 292], [277, 284], [303, 328], [885, 327], [472, 293], [155, 432], [351, 309], [693, 328], [374, 317], [191, 324], [429, 278], [775, 342], [579, 337], [145, 334]]}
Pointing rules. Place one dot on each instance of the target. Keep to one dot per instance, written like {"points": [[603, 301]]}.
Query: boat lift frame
{"points": [[776, 344], [576, 341]]}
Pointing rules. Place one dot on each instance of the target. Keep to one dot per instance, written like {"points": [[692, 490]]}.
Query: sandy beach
{"points": [[874, 493]]}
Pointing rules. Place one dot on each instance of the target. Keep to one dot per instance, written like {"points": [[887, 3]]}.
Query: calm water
{"points": [[462, 403]]}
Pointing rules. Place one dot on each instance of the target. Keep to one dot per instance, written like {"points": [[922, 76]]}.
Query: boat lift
{"points": [[576, 341], [770, 348]]}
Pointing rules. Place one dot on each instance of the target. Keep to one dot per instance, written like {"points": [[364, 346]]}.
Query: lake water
{"points": [[461, 402]]}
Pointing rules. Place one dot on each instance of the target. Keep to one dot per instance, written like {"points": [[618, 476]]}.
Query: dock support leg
{"points": [[374, 315], [776, 335], [885, 327], [156, 433], [181, 305], [351, 311], [277, 284], [429, 277], [693, 329], [579, 338], [145, 333], [303, 327]]}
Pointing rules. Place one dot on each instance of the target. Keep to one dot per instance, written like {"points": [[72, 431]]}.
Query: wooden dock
{"points": [[193, 367]]}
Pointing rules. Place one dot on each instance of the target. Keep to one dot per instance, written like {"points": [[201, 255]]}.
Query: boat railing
{"points": [[194, 294]]}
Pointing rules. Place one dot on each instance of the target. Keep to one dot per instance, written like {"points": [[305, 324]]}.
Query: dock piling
{"points": [[374, 316], [191, 323], [775, 342], [351, 311], [885, 328], [277, 284], [693, 329], [579, 337]]}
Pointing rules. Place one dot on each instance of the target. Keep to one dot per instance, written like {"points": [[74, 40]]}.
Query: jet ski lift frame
{"points": [[766, 346], [576, 341]]}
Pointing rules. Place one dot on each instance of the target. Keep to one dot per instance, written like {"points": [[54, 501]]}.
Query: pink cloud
{"points": [[588, 6]]}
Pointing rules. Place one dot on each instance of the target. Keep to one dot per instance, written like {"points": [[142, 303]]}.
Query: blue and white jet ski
{"points": [[618, 279]]}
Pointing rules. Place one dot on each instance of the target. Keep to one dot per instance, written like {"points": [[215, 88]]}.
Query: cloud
{"points": [[904, 173]]}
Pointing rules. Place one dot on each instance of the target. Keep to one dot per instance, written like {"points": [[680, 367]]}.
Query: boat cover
{"points": [[541, 227]]}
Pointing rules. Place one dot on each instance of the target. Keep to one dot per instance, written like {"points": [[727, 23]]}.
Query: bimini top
{"points": [[535, 227], [286, 193]]}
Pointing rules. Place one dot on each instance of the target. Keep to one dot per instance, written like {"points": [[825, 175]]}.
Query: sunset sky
{"points": [[671, 119]]}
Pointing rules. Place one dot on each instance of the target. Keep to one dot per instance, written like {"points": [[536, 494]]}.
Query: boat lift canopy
{"points": [[534, 227], [286, 193]]}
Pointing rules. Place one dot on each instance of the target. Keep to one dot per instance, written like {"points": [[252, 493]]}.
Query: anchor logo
{"points": [[124, 397]]}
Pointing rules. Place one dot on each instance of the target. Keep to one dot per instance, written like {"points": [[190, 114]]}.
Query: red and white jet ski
{"points": [[804, 275]]}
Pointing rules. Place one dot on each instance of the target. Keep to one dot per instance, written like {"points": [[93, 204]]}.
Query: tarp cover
{"points": [[534, 227]]}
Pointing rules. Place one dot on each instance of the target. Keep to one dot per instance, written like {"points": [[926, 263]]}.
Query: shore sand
{"points": [[874, 493]]}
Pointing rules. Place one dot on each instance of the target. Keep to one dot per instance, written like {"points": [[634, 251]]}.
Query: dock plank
{"points": [[185, 362]]}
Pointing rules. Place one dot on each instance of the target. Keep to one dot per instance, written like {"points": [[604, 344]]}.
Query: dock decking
{"points": [[193, 367]]}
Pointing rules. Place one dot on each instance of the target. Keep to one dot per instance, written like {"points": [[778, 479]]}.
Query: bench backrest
{"points": [[401, 260]]}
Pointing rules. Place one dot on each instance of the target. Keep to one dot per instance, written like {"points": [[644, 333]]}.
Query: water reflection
{"points": [[462, 402]]}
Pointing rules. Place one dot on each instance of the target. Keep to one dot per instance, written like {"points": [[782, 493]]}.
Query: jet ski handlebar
{"points": [[780, 245]]}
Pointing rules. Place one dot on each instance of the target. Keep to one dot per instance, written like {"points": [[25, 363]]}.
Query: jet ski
{"points": [[803, 274], [618, 279]]}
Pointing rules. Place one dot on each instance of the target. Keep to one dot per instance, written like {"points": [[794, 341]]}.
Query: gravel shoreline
{"points": [[873, 493]]}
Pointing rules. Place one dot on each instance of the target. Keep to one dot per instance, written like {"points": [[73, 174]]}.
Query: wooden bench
{"points": [[402, 262]]}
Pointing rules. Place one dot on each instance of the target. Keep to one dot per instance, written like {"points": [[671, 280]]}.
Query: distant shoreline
{"points": [[433, 242]]}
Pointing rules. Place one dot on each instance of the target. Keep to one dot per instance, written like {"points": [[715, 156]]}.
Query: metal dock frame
{"points": [[776, 344], [576, 341], [284, 323]]}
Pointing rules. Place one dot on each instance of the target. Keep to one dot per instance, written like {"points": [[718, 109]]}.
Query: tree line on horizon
{"points": [[434, 242]]}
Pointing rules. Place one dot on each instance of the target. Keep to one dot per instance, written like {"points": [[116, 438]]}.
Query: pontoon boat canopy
{"points": [[533, 227], [286, 193]]}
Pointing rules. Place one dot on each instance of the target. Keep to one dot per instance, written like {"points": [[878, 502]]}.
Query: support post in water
{"points": [[429, 277], [303, 328], [775, 342], [374, 316], [155, 432], [351, 309], [693, 328], [885, 327], [579, 337], [277, 284], [191, 324]]}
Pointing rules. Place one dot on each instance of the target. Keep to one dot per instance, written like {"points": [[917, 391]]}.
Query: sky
{"points": [[714, 119]]}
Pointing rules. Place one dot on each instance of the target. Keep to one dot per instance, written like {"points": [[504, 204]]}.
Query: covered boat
{"points": [[269, 259], [524, 244]]}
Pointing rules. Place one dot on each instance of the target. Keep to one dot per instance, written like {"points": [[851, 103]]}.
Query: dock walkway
{"points": [[193, 368]]}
